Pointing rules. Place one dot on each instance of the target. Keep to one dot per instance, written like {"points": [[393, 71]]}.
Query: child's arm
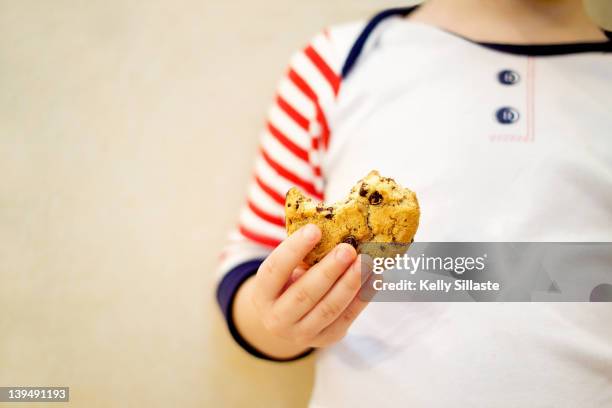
{"points": [[314, 311], [293, 145]]}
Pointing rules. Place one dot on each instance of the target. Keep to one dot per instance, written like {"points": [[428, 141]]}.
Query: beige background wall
{"points": [[126, 135]]}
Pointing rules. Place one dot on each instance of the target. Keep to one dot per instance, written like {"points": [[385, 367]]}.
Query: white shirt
{"points": [[423, 106]]}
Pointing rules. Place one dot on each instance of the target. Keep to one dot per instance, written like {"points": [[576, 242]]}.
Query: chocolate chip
{"points": [[330, 209], [319, 209], [297, 205], [363, 191], [289, 205], [375, 198], [329, 216], [351, 241]]}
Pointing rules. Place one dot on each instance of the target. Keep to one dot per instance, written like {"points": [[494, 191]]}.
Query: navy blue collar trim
{"points": [[549, 49], [517, 49]]}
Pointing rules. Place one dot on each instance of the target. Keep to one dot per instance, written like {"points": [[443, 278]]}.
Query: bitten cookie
{"points": [[376, 210]]}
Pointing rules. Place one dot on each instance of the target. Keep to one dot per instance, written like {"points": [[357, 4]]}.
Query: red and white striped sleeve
{"points": [[295, 137]]}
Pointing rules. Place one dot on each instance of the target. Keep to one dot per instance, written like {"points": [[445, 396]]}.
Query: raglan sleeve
{"points": [[292, 142]]}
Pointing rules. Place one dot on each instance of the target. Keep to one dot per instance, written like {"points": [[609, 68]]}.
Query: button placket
{"points": [[507, 115]]}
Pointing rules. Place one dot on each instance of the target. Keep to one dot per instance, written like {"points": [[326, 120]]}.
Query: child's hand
{"points": [[308, 307]]}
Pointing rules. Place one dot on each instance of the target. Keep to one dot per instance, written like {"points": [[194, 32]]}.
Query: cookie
{"points": [[377, 209]]}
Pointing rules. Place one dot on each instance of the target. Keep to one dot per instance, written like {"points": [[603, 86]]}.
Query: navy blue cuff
{"points": [[226, 292]]}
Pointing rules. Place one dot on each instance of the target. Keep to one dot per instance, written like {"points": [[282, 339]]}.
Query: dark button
{"points": [[508, 77], [507, 115]]}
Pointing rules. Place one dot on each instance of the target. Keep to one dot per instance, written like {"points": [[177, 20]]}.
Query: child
{"points": [[498, 115]]}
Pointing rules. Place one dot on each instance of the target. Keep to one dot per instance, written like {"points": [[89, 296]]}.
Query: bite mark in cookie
{"points": [[376, 210]]}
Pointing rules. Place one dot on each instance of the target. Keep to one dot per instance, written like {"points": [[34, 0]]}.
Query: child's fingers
{"points": [[337, 330], [367, 291], [301, 297], [295, 275], [333, 303], [276, 269]]}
